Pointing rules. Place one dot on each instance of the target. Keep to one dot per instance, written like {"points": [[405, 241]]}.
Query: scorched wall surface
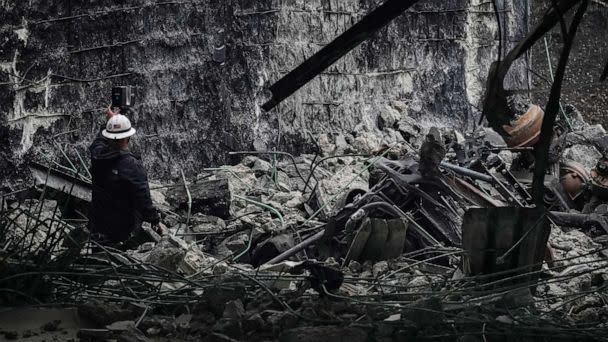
{"points": [[201, 67]]}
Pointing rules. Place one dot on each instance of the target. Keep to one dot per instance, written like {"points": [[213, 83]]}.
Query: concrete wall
{"points": [[60, 58]]}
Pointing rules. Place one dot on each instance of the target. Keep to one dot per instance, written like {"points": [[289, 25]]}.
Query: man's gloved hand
{"points": [[110, 113], [160, 229]]}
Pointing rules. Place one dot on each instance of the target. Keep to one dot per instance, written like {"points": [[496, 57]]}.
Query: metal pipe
{"points": [[329, 54], [295, 249], [263, 205], [468, 172]]}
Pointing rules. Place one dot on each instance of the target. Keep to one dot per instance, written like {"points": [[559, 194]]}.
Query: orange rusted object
{"points": [[524, 132], [573, 177]]}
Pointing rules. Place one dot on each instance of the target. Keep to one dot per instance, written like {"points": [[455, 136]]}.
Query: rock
{"points": [[331, 262], [323, 333], [281, 181], [120, 326], [237, 243], [234, 309], [183, 321], [261, 167], [586, 155], [215, 298], [388, 117], [355, 267], [163, 325], [52, 325], [504, 319], [154, 331], [380, 268], [210, 197], [193, 260], [220, 268], [207, 224], [28, 333], [344, 180], [296, 201], [158, 198], [366, 142], [166, 255], [132, 335], [10, 335], [418, 284], [272, 226], [588, 315], [290, 199]]}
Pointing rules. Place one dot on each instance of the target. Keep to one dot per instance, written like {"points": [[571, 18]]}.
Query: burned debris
{"points": [[401, 243], [421, 232]]}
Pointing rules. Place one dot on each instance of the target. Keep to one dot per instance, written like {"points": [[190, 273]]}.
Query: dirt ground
{"points": [[587, 60], [37, 325]]}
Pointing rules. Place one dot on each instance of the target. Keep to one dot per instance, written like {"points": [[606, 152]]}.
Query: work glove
{"points": [[110, 113]]}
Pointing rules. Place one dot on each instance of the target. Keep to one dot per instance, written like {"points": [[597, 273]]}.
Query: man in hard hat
{"points": [[121, 194]]}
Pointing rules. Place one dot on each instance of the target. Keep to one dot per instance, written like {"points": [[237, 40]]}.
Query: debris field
{"points": [[431, 237]]}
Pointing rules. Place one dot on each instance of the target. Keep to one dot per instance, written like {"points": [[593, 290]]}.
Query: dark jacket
{"points": [[121, 195]]}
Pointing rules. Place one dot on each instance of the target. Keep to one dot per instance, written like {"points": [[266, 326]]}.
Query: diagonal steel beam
{"points": [[333, 51]]}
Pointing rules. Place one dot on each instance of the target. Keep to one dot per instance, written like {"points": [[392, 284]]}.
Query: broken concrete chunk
{"points": [[207, 224], [237, 243], [166, 255], [52, 325], [216, 298], [132, 335], [380, 268], [210, 197], [158, 198], [234, 309], [355, 267], [193, 261], [261, 167], [183, 321], [120, 326], [586, 155]]}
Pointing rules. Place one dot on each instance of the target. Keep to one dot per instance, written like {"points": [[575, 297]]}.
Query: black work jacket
{"points": [[121, 194]]}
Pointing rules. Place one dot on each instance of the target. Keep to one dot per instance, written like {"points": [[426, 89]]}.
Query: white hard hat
{"points": [[118, 127]]}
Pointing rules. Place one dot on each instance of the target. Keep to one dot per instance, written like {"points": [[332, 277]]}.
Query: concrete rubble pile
{"points": [[359, 240]]}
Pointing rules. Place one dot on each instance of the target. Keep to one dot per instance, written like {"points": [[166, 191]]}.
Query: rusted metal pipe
{"points": [[468, 172]]}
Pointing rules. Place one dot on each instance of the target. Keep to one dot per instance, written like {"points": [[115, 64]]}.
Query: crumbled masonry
{"points": [[348, 247]]}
